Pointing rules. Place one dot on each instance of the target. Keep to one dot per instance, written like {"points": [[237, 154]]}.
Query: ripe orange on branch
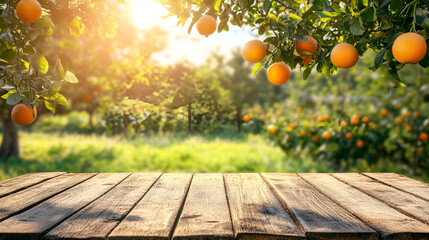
{"points": [[344, 55], [278, 73], [306, 48], [326, 135], [254, 51], [206, 25], [23, 114], [409, 48], [29, 11], [423, 137]]}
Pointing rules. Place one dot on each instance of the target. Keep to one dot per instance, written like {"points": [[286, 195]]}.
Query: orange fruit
{"points": [[262, 118], [29, 11], [365, 119], [246, 118], [359, 143], [409, 48], [302, 134], [23, 114], [355, 116], [407, 114], [299, 109], [87, 97], [278, 73], [343, 123], [416, 114], [398, 120], [315, 138], [384, 112], [254, 51], [348, 135], [292, 125], [326, 135], [354, 121], [423, 137], [372, 125], [344, 55], [320, 119], [315, 116], [206, 25], [271, 129], [306, 48], [327, 118], [307, 59]]}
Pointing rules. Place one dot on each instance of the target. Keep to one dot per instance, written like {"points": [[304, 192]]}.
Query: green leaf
{"points": [[306, 73], [14, 98], [76, 27], [425, 61], [43, 64], [355, 29], [379, 58], [5, 96], [217, 5], [8, 55], [326, 69], [29, 50], [49, 106], [256, 68], [59, 98], [70, 77], [369, 14], [267, 5]]}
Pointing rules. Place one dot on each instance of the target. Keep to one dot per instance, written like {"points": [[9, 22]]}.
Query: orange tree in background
{"points": [[30, 72], [355, 27]]}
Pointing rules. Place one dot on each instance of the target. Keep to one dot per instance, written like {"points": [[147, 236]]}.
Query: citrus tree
{"points": [[326, 35], [31, 73]]}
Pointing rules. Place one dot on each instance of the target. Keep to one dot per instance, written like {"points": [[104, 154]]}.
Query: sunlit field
{"points": [[214, 86]]}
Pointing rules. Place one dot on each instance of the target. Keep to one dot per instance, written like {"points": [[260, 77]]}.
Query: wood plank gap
{"points": [[179, 213], [58, 223], [393, 186], [335, 201], [229, 206], [44, 199], [284, 204], [135, 204], [383, 200], [26, 186]]}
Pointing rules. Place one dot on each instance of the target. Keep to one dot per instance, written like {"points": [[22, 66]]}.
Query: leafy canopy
{"points": [[365, 24]]}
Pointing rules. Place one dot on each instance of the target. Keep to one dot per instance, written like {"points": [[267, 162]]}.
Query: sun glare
{"points": [[149, 12]]}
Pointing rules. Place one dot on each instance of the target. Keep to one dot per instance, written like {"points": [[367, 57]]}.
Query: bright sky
{"points": [[181, 45]]}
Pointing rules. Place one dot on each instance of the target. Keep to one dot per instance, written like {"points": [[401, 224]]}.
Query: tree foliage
{"points": [[30, 70], [365, 24]]}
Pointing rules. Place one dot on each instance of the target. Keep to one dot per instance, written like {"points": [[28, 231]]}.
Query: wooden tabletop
{"points": [[59, 205]]}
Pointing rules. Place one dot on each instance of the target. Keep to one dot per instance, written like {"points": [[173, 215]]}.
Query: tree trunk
{"points": [[238, 120], [9, 146], [126, 122], [91, 116], [189, 116]]}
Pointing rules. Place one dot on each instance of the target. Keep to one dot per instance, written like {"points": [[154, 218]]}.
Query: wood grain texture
{"points": [[18, 183], [417, 188], [319, 217], [28, 197], [98, 219], [255, 211], [32, 223], [402, 201], [155, 215], [390, 223], [205, 214]]}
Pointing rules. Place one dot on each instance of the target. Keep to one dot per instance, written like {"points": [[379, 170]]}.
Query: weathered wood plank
{"points": [[402, 201], [319, 217], [390, 223], [403, 183], [155, 215], [18, 183], [98, 219], [255, 211], [34, 222], [31, 196], [205, 214]]}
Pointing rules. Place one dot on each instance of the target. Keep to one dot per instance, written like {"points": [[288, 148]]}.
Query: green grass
{"points": [[180, 152]]}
